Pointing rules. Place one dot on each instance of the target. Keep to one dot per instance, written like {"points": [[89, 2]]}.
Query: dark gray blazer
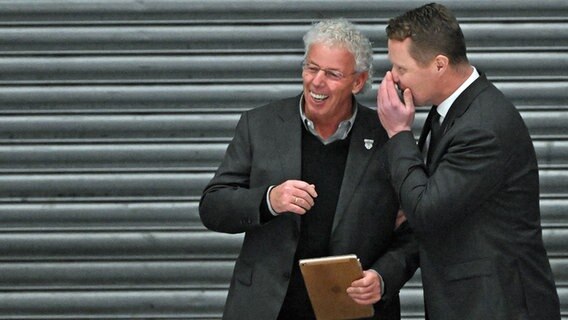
{"points": [[266, 150], [475, 212]]}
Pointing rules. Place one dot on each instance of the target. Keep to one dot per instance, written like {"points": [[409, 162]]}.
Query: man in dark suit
{"points": [[474, 205], [302, 178]]}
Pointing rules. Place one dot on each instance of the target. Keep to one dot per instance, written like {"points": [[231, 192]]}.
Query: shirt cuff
{"points": [[268, 201]]}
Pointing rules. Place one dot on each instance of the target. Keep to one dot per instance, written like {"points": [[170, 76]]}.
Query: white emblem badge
{"points": [[368, 143]]}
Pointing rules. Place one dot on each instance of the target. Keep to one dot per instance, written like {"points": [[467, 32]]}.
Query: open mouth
{"points": [[318, 97]]}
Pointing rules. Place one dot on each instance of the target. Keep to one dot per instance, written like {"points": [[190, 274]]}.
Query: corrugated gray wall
{"points": [[114, 114]]}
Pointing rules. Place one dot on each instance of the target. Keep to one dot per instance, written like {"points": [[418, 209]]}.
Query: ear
{"points": [[441, 63], [359, 82]]}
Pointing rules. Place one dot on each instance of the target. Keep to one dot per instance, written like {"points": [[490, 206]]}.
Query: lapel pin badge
{"points": [[368, 143]]}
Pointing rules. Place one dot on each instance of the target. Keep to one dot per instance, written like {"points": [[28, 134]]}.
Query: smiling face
{"points": [[421, 79], [327, 100]]}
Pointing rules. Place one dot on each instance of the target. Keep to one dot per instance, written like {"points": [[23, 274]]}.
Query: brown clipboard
{"points": [[327, 280]]}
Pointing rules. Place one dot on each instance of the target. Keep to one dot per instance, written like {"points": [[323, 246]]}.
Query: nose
{"points": [[394, 74], [319, 77]]}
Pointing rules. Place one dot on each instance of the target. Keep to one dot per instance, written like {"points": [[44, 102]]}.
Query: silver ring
{"points": [[295, 200]]}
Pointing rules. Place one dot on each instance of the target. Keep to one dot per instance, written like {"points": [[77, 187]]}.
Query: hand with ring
{"points": [[293, 196]]}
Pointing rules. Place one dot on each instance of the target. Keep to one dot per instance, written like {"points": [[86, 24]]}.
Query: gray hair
{"points": [[340, 32]]}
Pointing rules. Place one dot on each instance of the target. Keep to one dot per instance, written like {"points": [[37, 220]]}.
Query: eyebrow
{"points": [[330, 69]]}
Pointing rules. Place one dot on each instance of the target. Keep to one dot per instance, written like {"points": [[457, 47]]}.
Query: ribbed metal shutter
{"points": [[114, 115]]}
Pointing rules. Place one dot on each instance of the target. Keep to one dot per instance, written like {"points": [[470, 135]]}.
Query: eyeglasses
{"points": [[329, 74]]}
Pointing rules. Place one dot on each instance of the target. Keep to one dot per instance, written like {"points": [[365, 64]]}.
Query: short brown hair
{"points": [[434, 30]]}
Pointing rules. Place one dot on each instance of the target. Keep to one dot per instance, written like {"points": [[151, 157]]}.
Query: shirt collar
{"points": [[343, 128], [444, 107]]}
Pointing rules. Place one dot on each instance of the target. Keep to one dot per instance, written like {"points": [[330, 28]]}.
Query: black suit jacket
{"points": [[475, 212], [266, 150]]}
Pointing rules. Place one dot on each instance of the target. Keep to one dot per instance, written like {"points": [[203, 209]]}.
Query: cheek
{"points": [[421, 95]]}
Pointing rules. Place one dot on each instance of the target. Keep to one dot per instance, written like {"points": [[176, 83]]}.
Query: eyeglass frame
{"points": [[333, 75]]}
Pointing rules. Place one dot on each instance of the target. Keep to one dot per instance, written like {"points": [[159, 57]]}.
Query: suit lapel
{"points": [[362, 146], [458, 108], [464, 100], [287, 142]]}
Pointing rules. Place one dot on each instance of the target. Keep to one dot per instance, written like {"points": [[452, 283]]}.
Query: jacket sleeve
{"points": [[468, 173], [400, 262], [228, 204]]}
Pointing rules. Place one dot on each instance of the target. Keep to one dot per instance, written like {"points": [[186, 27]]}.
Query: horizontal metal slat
{"points": [[553, 182], [110, 157], [91, 216], [104, 10], [549, 153], [553, 212], [152, 215], [153, 185], [560, 271], [165, 157], [170, 304], [160, 97], [27, 187], [128, 245], [119, 127], [546, 123], [117, 245], [143, 275], [127, 304], [265, 37], [139, 304], [555, 240], [237, 67], [412, 302], [115, 275], [185, 126]]}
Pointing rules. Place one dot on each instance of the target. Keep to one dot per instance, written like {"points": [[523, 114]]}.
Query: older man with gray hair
{"points": [[302, 178]]}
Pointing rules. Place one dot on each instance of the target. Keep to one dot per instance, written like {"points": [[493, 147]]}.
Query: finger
{"points": [[296, 207], [306, 196], [408, 100], [382, 93], [306, 190], [400, 218], [364, 298], [392, 91], [372, 300], [368, 279], [282, 197], [297, 201], [306, 203], [359, 283], [299, 205], [359, 290], [311, 189], [309, 196]]}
